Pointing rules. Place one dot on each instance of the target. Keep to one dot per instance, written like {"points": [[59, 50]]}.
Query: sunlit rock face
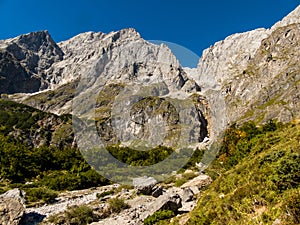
{"points": [[256, 72], [131, 88], [135, 90]]}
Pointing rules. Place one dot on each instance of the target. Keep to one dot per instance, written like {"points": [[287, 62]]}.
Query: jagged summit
{"points": [[291, 18], [33, 41], [234, 67], [51, 65], [37, 42], [24, 59], [231, 68]]}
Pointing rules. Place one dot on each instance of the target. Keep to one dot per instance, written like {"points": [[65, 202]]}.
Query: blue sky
{"points": [[194, 24]]}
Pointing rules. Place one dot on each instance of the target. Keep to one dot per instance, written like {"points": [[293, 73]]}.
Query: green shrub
{"points": [[40, 194], [105, 193], [57, 169], [159, 215], [77, 215], [287, 172], [116, 205], [140, 158], [195, 158], [80, 215], [292, 206], [65, 180], [257, 178]]}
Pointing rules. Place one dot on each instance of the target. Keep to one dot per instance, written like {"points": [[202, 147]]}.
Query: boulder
{"points": [[186, 195], [12, 207], [199, 181], [144, 185], [157, 191], [187, 207], [167, 201]]}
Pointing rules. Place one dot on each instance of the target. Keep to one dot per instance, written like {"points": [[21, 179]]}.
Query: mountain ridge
{"points": [[224, 76], [116, 77]]}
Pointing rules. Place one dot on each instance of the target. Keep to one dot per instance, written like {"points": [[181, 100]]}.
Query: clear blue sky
{"points": [[194, 24]]}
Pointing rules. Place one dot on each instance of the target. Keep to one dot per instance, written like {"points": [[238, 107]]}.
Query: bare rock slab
{"points": [[199, 181], [168, 201], [12, 207], [144, 185]]}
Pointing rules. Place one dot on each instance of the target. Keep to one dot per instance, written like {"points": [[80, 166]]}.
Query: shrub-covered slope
{"points": [[34, 127], [256, 178]]}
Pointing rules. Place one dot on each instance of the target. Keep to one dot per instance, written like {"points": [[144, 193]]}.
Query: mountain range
{"points": [[137, 95], [254, 75]]}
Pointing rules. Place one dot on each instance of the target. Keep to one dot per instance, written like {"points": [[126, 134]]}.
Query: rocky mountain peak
{"points": [[248, 69], [118, 56], [127, 33], [35, 41], [225, 58], [291, 18], [24, 59], [38, 43]]}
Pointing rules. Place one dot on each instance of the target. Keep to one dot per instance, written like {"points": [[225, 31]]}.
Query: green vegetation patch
{"points": [[77, 215], [159, 216], [257, 177], [140, 158]]}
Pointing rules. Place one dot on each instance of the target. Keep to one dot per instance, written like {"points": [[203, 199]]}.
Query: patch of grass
{"points": [[258, 177], [292, 206], [105, 193], [159, 216], [40, 195], [117, 205], [77, 215], [185, 177]]}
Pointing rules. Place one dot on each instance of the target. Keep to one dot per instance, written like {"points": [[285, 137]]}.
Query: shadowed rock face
{"points": [[14, 77], [24, 61]]}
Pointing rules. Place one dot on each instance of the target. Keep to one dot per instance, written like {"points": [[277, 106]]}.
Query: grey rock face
{"points": [[230, 56], [186, 195], [144, 185], [24, 61], [268, 87], [12, 207], [256, 73], [168, 201], [113, 67], [199, 181]]}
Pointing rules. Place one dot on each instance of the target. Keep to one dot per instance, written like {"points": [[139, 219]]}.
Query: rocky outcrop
{"points": [[120, 68], [200, 181], [168, 201], [12, 207], [33, 127], [24, 61], [144, 185], [256, 73]]}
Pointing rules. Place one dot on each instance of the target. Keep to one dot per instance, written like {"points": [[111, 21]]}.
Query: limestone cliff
{"points": [[256, 72]]}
